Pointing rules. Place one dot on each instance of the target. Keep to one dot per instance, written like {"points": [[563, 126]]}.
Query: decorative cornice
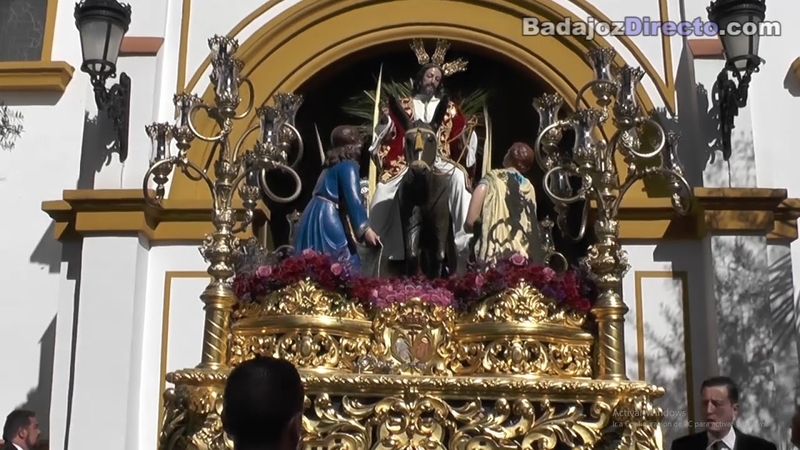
{"points": [[716, 211], [140, 46], [31, 76], [87, 212], [706, 48]]}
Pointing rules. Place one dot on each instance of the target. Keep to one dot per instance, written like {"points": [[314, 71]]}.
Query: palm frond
{"points": [[362, 106]]}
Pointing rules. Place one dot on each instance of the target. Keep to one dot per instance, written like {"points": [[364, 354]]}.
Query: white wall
{"points": [[61, 149], [665, 282]]}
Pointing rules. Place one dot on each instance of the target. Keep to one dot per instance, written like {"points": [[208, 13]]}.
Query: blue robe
{"points": [[323, 226]]}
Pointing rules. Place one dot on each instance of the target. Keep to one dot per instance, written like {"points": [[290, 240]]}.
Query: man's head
{"points": [[346, 144], [263, 405], [21, 428], [720, 404], [428, 82], [520, 156]]}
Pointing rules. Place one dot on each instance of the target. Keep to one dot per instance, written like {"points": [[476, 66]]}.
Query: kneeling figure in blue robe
{"points": [[336, 218]]}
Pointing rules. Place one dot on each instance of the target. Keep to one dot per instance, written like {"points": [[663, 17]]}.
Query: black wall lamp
{"points": [[741, 55], [102, 25]]}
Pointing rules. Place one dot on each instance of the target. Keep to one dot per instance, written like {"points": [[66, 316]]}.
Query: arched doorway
{"points": [[508, 86]]}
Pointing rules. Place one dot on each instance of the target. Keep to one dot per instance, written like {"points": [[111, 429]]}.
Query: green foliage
{"points": [[362, 106], [10, 126]]}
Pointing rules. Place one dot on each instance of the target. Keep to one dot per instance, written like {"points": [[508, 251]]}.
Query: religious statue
{"points": [[335, 218], [456, 146], [502, 212], [423, 198]]}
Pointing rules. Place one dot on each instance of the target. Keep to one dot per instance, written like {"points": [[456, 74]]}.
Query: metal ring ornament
{"points": [[271, 195], [247, 133], [678, 178], [155, 201], [661, 142], [566, 201], [537, 146], [548, 260], [300, 145], [579, 98], [194, 131], [251, 102]]}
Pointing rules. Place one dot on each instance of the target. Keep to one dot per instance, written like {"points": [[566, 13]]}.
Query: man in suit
{"points": [[21, 430], [720, 408], [263, 405]]}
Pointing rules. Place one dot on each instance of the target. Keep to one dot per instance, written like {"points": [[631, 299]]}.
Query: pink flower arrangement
{"points": [[571, 288]]}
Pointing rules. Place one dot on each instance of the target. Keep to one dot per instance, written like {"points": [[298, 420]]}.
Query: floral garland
{"points": [[572, 288]]}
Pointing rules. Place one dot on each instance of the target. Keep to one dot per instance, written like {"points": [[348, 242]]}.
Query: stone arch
{"points": [[291, 48]]}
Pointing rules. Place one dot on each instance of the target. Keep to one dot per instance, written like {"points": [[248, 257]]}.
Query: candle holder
{"points": [[592, 160]]}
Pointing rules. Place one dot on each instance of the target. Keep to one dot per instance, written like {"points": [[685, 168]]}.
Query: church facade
{"points": [[102, 289]]}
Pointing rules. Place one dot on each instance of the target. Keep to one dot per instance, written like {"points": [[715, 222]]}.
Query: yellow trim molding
{"points": [[183, 46], [297, 44], [49, 30], [43, 76], [165, 315], [683, 277], [664, 84], [117, 211], [719, 211]]}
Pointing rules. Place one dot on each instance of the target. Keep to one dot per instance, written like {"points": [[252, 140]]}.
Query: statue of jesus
{"points": [[457, 148]]}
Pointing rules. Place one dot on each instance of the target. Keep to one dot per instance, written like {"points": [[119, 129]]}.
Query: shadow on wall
{"points": [[756, 333], [39, 399], [30, 98], [700, 125], [99, 145], [48, 250]]}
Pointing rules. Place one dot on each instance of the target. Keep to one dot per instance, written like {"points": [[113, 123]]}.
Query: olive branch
{"points": [[10, 126]]}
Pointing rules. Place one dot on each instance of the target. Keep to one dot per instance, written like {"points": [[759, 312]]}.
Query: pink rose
{"points": [[308, 252], [479, 281], [518, 260], [264, 271], [549, 274], [337, 269]]}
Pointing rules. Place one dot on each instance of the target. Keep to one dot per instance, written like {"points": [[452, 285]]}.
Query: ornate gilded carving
{"points": [[410, 412], [519, 356], [417, 421], [640, 423], [411, 338], [301, 299], [525, 305], [516, 332], [304, 348], [193, 412]]}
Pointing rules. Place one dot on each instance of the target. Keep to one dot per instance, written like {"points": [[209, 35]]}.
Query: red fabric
{"points": [[394, 159], [456, 132]]}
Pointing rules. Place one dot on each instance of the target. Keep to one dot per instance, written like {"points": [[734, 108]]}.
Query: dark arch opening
{"points": [[510, 88]]}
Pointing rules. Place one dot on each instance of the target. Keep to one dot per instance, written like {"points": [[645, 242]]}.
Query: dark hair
{"points": [[19, 418], [417, 85], [522, 156], [733, 390], [345, 153], [261, 397]]}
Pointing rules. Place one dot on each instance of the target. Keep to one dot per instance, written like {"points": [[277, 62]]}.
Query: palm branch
{"points": [[362, 106]]}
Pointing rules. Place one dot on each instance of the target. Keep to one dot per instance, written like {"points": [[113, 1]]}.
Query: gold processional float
{"points": [[517, 367]]}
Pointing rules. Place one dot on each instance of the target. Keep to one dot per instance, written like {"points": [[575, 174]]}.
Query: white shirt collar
{"points": [[17, 446], [729, 440]]}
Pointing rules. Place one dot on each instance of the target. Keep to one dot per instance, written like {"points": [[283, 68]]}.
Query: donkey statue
{"points": [[423, 197]]}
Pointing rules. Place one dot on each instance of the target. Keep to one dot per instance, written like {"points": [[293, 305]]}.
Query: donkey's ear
{"points": [[441, 110], [399, 113]]}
